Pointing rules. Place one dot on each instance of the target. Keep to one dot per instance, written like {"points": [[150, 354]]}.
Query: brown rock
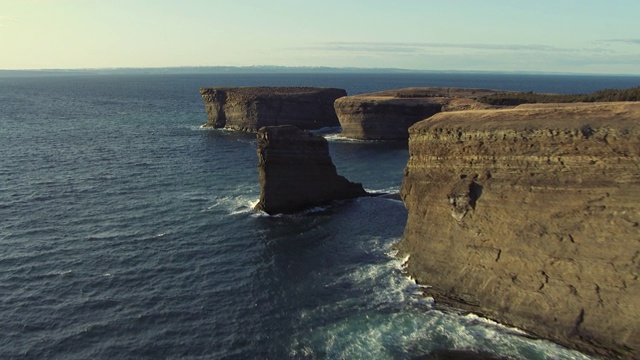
{"points": [[387, 115], [531, 217], [296, 171], [250, 108]]}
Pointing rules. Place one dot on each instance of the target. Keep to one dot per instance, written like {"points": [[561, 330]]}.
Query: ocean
{"points": [[127, 230]]}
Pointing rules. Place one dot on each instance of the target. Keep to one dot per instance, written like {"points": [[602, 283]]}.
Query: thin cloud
{"points": [[624, 41], [388, 47], [484, 56]]}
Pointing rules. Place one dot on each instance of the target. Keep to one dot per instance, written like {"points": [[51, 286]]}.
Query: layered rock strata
{"points": [[531, 217], [296, 172], [250, 108], [387, 115]]}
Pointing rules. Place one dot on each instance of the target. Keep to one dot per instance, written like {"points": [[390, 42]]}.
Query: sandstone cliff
{"points": [[531, 216], [296, 171], [386, 115], [250, 108]]}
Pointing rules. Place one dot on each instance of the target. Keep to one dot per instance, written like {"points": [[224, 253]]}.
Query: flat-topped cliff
{"points": [[296, 172], [531, 216], [250, 108], [386, 115]]}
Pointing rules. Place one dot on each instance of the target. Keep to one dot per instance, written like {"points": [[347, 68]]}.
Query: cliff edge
{"points": [[250, 108], [387, 115], [296, 171], [531, 217]]}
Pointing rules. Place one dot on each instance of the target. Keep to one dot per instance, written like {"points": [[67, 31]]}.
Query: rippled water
{"points": [[127, 232]]}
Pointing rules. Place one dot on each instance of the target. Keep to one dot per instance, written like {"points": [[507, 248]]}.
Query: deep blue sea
{"points": [[127, 231]]}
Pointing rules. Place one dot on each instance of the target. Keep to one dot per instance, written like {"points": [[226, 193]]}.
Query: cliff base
{"points": [[531, 217]]}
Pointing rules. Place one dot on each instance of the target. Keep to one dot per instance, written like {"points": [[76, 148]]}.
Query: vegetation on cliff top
{"points": [[512, 99]]}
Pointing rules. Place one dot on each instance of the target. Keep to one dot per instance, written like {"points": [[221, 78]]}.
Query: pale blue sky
{"points": [[493, 35]]}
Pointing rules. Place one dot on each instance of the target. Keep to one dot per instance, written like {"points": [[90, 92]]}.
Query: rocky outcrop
{"points": [[296, 171], [531, 217], [387, 115], [250, 108]]}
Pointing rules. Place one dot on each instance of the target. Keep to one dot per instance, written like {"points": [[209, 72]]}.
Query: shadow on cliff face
{"points": [[463, 196], [475, 191]]}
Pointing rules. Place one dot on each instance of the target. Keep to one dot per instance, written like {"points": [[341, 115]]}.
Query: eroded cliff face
{"points": [[531, 217], [250, 108], [296, 172], [387, 115]]}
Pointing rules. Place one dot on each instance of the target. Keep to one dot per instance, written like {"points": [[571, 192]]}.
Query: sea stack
{"points": [[531, 217], [387, 115], [296, 171], [250, 108]]}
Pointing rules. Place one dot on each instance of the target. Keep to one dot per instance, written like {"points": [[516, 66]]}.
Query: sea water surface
{"points": [[126, 231]]}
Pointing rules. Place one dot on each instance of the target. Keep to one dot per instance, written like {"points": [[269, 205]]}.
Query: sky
{"points": [[586, 36]]}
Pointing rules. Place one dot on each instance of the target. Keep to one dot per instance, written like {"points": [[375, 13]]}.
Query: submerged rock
{"points": [[250, 108], [296, 171], [531, 217], [447, 354]]}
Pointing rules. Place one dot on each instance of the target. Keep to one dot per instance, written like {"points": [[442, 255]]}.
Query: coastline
{"points": [[129, 232]]}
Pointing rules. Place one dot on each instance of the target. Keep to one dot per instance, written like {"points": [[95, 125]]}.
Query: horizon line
{"points": [[308, 68]]}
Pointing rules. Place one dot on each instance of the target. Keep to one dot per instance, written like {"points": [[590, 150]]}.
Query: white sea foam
{"points": [[234, 205], [262, 214], [309, 211], [208, 128], [405, 334], [472, 319], [394, 288], [153, 237], [244, 206], [160, 235], [338, 138], [395, 320], [389, 190]]}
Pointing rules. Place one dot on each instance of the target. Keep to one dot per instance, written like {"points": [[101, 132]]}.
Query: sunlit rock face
{"points": [[531, 216], [387, 115]]}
